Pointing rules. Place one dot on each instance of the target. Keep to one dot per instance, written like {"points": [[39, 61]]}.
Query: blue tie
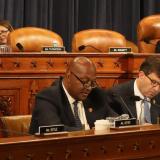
{"points": [[147, 115], [77, 119]]}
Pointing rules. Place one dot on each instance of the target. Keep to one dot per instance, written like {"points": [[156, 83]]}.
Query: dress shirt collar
{"points": [[137, 92], [70, 98]]}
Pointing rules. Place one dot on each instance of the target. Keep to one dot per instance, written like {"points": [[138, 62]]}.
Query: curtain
{"points": [[67, 17]]}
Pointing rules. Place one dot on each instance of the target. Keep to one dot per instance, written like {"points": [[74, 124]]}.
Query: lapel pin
{"points": [[154, 101], [90, 109]]}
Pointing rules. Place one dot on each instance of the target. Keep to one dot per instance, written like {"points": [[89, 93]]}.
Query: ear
{"points": [[67, 76], [68, 73], [141, 74], [67, 79]]}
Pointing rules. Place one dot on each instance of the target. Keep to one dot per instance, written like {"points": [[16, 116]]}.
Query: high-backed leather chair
{"points": [[15, 125], [133, 46], [32, 39], [97, 40], [148, 33]]}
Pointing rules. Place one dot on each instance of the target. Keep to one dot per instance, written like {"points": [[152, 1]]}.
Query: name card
{"points": [[120, 50], [51, 129], [53, 49], [125, 122]]}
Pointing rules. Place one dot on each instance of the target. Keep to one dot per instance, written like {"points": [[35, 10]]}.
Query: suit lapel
{"points": [[66, 105], [155, 109], [131, 103], [132, 107]]}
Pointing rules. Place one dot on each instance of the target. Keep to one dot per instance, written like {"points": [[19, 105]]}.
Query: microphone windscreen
{"points": [[20, 47], [146, 40], [81, 47]]}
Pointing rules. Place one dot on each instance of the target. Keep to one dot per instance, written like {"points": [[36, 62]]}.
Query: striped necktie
{"points": [[77, 119], [147, 115]]}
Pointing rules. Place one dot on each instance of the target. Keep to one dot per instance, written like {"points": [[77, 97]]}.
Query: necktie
{"points": [[147, 115], [77, 119]]}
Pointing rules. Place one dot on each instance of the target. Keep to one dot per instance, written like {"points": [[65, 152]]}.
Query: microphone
{"points": [[124, 104], [82, 47], [157, 45], [20, 47]]}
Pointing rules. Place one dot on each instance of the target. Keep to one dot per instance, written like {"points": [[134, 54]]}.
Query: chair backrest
{"points": [[15, 125], [148, 31], [133, 46], [97, 40], [33, 39]]}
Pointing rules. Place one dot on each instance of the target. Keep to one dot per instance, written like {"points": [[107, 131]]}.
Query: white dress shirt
{"points": [[81, 111], [140, 104]]}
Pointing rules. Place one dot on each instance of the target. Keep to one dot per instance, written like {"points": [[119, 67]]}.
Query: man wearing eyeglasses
{"points": [[74, 100], [139, 98]]}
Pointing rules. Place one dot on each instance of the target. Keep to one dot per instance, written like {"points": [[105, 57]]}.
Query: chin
{"points": [[82, 98], [151, 96]]}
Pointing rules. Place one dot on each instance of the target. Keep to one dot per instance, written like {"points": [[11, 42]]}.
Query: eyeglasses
{"points": [[86, 84], [154, 82], [3, 32]]}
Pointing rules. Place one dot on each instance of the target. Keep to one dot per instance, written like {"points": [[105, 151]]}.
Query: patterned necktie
{"points": [[147, 115], [77, 119]]}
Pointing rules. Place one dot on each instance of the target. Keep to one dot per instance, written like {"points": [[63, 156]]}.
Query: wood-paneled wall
{"points": [[22, 75]]}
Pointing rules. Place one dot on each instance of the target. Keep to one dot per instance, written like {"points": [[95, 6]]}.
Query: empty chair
{"points": [[15, 125], [132, 45], [148, 33], [32, 39], [97, 40]]}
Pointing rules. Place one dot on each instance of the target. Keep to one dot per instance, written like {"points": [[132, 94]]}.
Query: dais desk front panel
{"points": [[142, 143], [22, 75]]}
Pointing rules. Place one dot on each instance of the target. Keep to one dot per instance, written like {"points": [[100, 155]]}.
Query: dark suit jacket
{"points": [[52, 107], [126, 92]]}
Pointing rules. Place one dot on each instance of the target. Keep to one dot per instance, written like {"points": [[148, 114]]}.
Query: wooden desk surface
{"points": [[143, 143]]}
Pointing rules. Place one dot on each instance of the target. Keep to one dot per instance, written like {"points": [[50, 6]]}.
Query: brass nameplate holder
{"points": [[52, 49], [120, 50]]}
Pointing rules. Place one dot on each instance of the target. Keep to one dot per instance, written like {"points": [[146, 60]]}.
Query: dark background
{"points": [[69, 16]]}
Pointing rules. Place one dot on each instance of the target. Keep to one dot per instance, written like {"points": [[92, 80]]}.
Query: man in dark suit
{"points": [[132, 97], [78, 89]]}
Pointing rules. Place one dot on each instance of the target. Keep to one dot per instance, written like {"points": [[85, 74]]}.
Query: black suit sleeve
{"points": [[50, 110]]}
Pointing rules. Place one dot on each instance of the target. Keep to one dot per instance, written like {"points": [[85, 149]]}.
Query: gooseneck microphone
{"points": [[157, 45], [82, 47], [124, 104], [20, 47]]}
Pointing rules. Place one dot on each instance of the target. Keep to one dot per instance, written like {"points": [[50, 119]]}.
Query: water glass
{"points": [[5, 49]]}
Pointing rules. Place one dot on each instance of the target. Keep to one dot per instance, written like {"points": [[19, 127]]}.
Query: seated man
{"points": [[139, 98], [74, 100]]}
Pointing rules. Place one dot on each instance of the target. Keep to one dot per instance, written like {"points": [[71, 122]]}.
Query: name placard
{"points": [[51, 129], [53, 49], [125, 122], [120, 50]]}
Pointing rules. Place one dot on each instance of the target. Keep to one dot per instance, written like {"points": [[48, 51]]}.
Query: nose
{"points": [[157, 88], [3, 36], [88, 89]]}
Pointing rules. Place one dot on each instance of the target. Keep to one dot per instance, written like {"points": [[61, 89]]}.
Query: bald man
{"points": [[56, 104]]}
